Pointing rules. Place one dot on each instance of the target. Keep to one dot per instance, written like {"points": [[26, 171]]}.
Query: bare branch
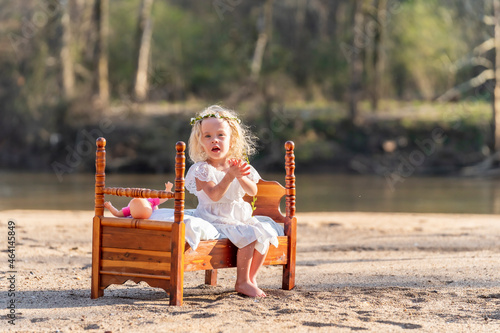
{"points": [[485, 75], [489, 20], [485, 46]]}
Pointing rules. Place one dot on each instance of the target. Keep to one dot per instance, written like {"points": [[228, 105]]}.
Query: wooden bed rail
{"points": [[101, 190], [138, 192]]}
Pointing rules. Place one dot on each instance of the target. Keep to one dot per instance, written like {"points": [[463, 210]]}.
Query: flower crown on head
{"points": [[213, 115]]}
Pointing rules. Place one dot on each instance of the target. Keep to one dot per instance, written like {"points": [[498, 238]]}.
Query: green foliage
{"points": [[200, 55], [424, 46], [123, 25]]}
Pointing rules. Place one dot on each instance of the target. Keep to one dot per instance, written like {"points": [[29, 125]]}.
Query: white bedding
{"points": [[198, 229]]}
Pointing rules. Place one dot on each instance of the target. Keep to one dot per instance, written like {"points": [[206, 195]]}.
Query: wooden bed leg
{"points": [[291, 224], [211, 277], [289, 268], [95, 290], [178, 230], [100, 166], [177, 265]]}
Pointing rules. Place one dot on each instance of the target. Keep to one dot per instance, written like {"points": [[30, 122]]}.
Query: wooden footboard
{"points": [[156, 252], [135, 249]]}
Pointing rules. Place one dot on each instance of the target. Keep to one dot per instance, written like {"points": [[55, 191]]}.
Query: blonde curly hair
{"points": [[242, 144]]}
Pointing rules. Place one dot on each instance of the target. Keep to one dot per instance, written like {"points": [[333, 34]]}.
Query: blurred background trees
{"points": [[298, 68]]}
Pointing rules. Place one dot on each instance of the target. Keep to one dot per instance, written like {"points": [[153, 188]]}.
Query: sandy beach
{"points": [[373, 272]]}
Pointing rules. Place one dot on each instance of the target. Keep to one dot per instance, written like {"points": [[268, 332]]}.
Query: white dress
{"points": [[231, 215]]}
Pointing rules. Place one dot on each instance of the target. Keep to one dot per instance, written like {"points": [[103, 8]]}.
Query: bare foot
{"points": [[249, 289]]}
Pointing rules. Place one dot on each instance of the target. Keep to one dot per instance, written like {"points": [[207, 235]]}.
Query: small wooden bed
{"points": [[156, 251]]}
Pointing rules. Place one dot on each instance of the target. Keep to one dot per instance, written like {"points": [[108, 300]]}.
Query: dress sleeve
{"points": [[254, 175], [201, 171]]}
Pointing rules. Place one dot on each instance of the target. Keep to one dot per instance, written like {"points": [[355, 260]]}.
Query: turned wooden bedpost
{"points": [[178, 229], [100, 166], [290, 179], [291, 224]]}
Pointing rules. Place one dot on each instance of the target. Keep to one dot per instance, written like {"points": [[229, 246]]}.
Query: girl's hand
{"points": [[238, 168]]}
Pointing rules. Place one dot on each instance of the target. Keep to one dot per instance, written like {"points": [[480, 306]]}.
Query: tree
{"points": [[356, 62], [379, 56], [264, 25], [490, 71], [496, 93], [143, 48], [102, 18], [68, 74]]}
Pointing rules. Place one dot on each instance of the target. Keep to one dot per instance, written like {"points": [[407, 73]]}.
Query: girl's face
{"points": [[215, 139]]}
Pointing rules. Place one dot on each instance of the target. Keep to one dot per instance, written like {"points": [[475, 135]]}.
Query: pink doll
{"points": [[138, 208]]}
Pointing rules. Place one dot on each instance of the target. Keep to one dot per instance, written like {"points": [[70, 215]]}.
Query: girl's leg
{"points": [[243, 263], [257, 261]]}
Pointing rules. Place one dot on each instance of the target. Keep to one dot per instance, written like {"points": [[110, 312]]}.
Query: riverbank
{"points": [[401, 140], [355, 271]]}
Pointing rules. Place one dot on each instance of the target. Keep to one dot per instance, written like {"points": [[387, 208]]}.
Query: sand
{"points": [[373, 272]]}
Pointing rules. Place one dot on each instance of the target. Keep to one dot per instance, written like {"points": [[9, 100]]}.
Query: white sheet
{"points": [[198, 229]]}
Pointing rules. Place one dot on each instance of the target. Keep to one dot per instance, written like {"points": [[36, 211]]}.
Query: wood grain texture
{"points": [[211, 277], [291, 221], [100, 166], [290, 179], [211, 254], [121, 222], [221, 253], [95, 288], [180, 166], [140, 239], [135, 267], [178, 229], [109, 253], [133, 192], [269, 196]]}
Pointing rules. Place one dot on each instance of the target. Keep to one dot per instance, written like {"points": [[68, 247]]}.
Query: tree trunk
{"points": [[334, 22], [265, 31], [86, 35], [68, 74], [379, 53], [370, 42], [322, 10], [356, 62], [496, 94], [143, 48], [102, 18]]}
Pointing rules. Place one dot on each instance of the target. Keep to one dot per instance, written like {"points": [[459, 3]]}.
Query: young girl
{"points": [[219, 145], [138, 208]]}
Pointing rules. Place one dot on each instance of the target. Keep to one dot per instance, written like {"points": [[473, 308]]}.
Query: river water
{"points": [[315, 192]]}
